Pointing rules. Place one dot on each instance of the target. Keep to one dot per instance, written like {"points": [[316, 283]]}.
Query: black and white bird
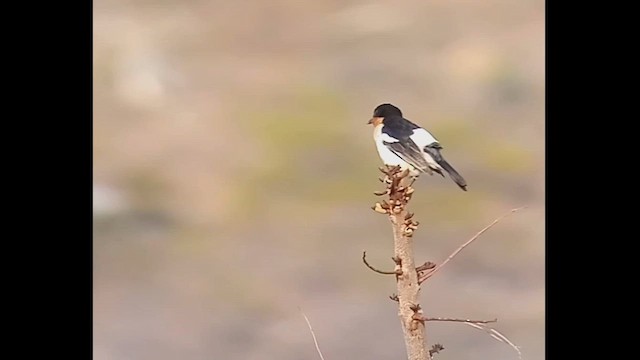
{"points": [[401, 142]]}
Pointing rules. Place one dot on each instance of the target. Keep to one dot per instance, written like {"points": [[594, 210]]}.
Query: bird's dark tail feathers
{"points": [[453, 173]]}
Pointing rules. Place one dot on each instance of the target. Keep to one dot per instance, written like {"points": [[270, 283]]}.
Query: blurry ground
{"points": [[233, 175]]}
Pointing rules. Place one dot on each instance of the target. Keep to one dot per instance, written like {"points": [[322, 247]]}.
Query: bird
{"points": [[402, 143]]}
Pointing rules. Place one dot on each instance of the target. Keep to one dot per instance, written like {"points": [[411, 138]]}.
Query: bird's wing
{"points": [[408, 151], [433, 154], [406, 139], [423, 138], [434, 151]]}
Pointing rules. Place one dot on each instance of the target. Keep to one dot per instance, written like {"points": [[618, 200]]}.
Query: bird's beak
{"points": [[375, 120]]}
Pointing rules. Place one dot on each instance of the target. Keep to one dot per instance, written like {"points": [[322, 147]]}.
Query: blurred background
{"points": [[234, 171]]}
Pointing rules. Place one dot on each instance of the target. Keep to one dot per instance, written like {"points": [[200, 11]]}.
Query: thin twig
{"points": [[497, 335], [312, 333], [364, 259], [461, 320], [437, 268]]}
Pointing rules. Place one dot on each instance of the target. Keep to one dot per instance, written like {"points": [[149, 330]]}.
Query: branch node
{"points": [[436, 348], [426, 266], [394, 297]]}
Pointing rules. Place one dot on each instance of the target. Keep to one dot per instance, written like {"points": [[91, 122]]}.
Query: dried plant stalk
{"points": [[408, 290], [408, 276]]}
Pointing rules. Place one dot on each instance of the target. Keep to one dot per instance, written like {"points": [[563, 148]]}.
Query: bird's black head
{"points": [[385, 110]]}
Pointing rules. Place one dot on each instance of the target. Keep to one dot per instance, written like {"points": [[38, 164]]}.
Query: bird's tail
{"points": [[453, 173]]}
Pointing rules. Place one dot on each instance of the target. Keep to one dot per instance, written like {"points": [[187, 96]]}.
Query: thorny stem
{"points": [[399, 193], [408, 276]]}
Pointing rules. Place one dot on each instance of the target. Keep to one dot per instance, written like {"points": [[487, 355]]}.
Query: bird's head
{"points": [[383, 111]]}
